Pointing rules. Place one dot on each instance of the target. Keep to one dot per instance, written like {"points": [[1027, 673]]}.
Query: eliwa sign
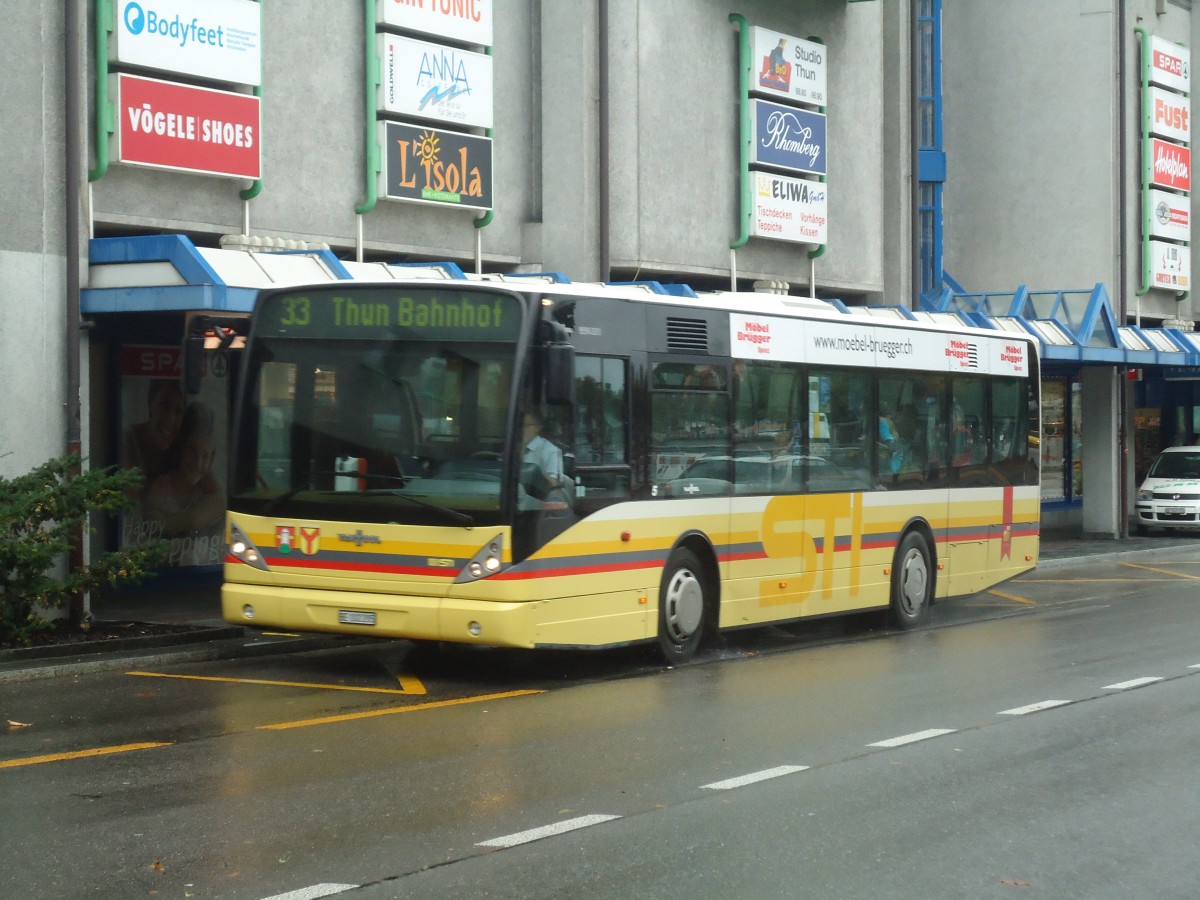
{"points": [[1166, 166], [217, 39]]}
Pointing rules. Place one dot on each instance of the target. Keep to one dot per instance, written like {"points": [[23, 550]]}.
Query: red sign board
{"points": [[193, 129], [144, 361], [1170, 165]]}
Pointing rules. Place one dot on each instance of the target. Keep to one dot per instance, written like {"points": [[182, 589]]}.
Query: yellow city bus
{"points": [[705, 462]]}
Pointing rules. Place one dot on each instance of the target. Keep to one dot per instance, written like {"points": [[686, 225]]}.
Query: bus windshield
{"points": [[378, 407]]}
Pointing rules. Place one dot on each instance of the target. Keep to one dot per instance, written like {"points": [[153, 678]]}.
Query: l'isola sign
{"points": [[383, 312]]}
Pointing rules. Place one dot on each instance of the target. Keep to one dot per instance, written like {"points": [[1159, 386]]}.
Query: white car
{"points": [[1170, 495]]}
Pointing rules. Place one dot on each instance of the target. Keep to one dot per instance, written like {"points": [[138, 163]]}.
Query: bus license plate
{"points": [[355, 617]]}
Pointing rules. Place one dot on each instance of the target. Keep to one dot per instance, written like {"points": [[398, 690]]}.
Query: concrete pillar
{"points": [[1101, 474]]}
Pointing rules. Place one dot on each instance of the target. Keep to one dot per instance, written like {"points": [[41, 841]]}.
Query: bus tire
{"points": [[682, 603], [912, 581]]}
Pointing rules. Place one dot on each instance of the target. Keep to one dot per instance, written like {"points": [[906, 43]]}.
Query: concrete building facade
{"points": [[615, 130]]}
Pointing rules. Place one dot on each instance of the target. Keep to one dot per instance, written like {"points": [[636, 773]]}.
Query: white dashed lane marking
{"points": [[314, 892], [1132, 683], [536, 834], [913, 738], [1033, 707], [753, 778]]}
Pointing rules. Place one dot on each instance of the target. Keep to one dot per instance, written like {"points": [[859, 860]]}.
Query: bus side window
{"points": [[766, 403], [602, 470], [968, 441], [840, 436]]}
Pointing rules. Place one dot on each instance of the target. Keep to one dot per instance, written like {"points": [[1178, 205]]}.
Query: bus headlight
{"points": [[488, 561], [243, 549]]}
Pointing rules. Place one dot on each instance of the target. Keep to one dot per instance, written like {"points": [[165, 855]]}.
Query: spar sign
{"points": [[190, 129], [1170, 65]]}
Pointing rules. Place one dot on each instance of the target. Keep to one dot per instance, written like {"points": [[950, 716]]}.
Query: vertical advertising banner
{"points": [[178, 442], [1166, 165]]}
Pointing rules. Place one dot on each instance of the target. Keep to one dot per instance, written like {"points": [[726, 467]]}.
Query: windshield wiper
{"points": [[452, 514], [291, 492]]}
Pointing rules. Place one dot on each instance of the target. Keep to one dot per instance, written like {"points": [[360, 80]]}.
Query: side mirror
{"points": [[193, 363], [560, 374]]}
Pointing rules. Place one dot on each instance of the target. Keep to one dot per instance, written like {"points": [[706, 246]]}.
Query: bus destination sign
{"points": [[385, 313]]}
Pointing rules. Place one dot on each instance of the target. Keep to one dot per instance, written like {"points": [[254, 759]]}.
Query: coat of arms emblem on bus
{"points": [[290, 537]]}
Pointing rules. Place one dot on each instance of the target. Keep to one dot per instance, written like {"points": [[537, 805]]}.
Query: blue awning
{"points": [[167, 272], [1077, 327]]}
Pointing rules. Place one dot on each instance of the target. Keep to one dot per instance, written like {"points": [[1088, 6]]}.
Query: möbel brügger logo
{"points": [[139, 19]]}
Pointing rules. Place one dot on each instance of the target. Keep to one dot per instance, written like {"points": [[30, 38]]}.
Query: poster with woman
{"points": [[178, 442]]}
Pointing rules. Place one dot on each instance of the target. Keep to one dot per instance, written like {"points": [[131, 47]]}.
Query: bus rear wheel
{"points": [[912, 584], [682, 606]]}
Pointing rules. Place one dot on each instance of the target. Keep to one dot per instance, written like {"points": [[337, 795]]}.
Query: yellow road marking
{"points": [[408, 684], [1162, 571], [1013, 597], [349, 717], [78, 754]]}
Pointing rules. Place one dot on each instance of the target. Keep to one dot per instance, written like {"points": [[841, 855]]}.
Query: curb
{"points": [[199, 646], [1115, 553]]}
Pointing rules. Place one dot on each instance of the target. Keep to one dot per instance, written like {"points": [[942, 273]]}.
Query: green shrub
{"points": [[42, 514]]}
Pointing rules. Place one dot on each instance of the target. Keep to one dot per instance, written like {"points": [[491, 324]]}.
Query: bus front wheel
{"points": [[912, 584], [681, 606]]}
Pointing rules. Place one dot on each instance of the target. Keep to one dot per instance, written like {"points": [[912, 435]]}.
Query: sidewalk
{"points": [[208, 636]]}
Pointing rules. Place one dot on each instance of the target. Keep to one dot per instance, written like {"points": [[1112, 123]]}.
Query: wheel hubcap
{"points": [[914, 582], [684, 603]]}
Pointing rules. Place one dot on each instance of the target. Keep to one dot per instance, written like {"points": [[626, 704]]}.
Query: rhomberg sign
{"points": [[428, 165], [191, 129]]}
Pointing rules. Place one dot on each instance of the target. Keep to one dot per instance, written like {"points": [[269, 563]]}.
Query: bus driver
{"points": [[542, 464]]}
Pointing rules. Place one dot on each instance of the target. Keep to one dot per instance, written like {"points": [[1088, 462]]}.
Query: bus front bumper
{"points": [[494, 624]]}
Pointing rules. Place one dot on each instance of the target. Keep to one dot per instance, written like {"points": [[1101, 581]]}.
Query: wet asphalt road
{"points": [[1034, 740]]}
